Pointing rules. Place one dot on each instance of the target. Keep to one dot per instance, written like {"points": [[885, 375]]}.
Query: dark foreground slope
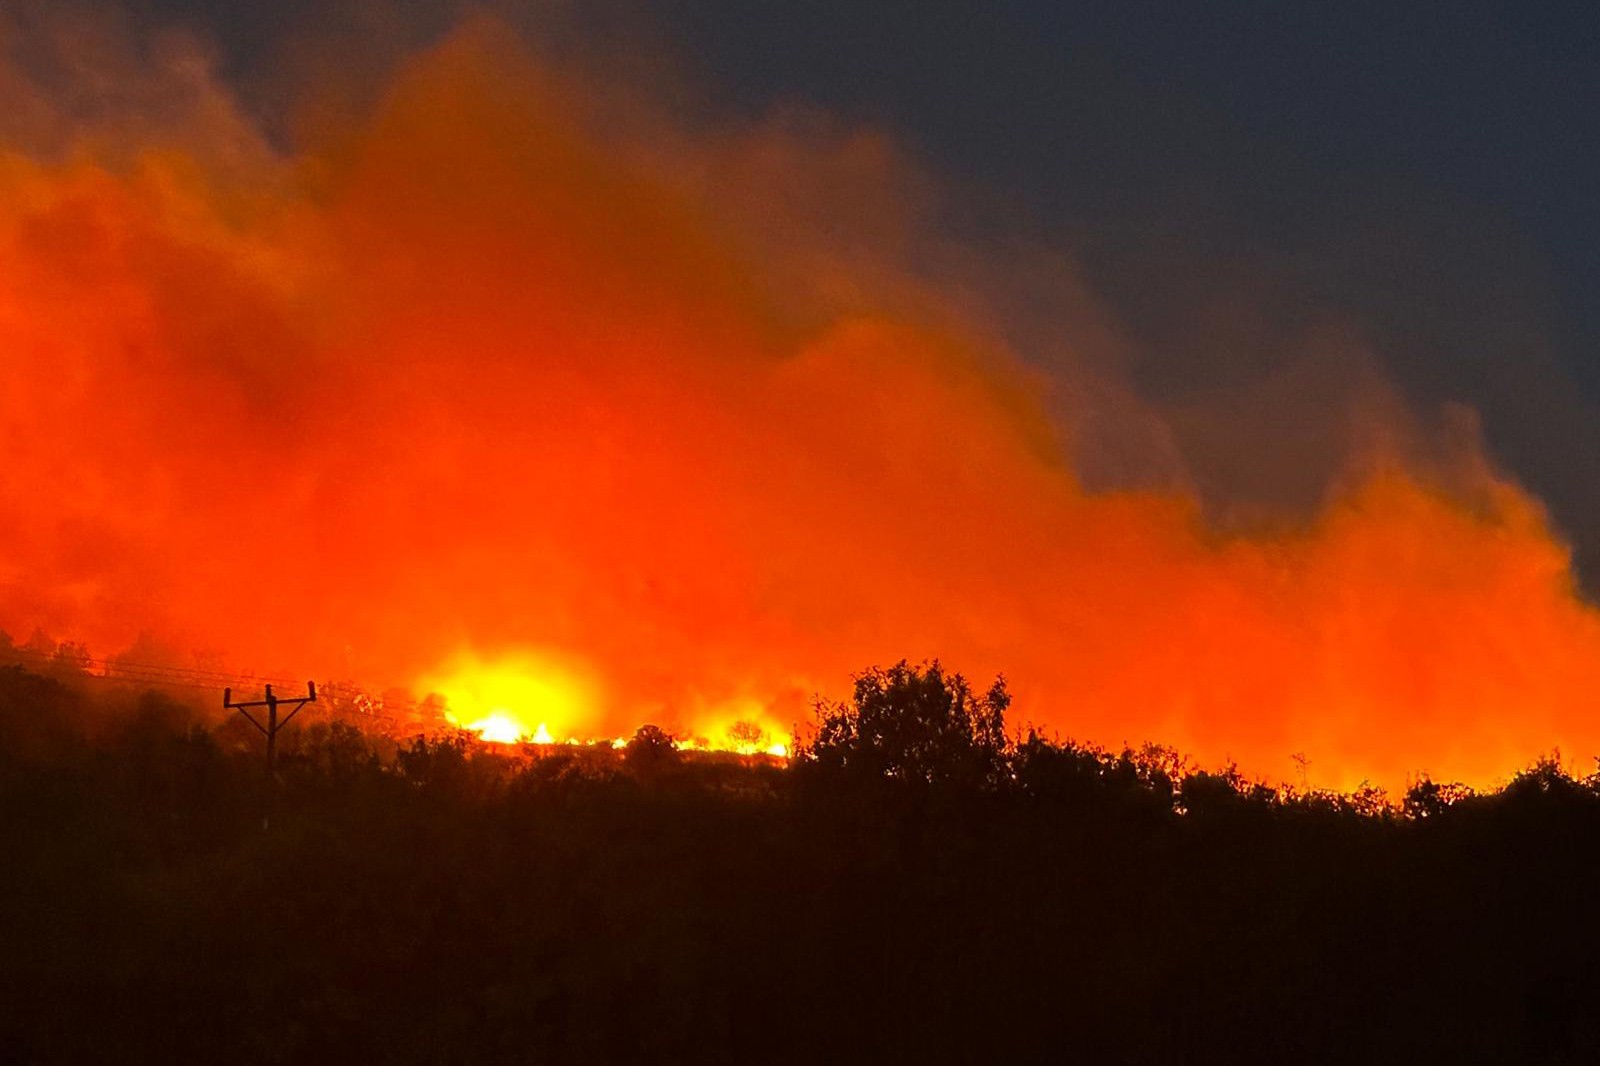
{"points": [[445, 903]]}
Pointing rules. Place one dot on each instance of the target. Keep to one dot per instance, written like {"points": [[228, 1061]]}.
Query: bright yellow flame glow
{"points": [[542, 699], [507, 699], [498, 728], [744, 727]]}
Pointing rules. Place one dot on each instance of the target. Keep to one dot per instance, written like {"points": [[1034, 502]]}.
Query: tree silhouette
{"points": [[912, 724], [914, 887], [748, 733], [651, 749]]}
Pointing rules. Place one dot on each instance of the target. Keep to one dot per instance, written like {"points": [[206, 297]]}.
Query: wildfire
{"points": [[744, 727], [502, 729], [540, 699], [695, 417], [530, 696]]}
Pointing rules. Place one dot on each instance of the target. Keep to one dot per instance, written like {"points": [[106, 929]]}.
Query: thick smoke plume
{"points": [[516, 367]]}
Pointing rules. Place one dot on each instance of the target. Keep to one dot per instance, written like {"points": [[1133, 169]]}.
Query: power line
{"points": [[161, 675], [157, 673], [121, 669]]}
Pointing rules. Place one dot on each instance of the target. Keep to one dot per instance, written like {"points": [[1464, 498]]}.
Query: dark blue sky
{"points": [[1252, 117], [1422, 171]]}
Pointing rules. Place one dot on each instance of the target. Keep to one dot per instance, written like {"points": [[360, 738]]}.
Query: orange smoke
{"points": [[516, 371]]}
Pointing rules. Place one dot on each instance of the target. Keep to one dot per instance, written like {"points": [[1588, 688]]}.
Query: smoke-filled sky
{"points": [[1220, 380], [1230, 177]]}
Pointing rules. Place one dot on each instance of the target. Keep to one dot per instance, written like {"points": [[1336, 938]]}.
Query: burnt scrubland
{"points": [[920, 884]]}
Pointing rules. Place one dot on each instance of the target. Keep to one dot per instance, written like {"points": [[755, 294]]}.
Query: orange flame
{"points": [[529, 696]]}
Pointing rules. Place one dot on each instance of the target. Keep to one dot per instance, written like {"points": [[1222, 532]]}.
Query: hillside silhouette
{"points": [[918, 884]]}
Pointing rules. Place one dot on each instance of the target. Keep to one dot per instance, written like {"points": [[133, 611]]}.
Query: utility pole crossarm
{"points": [[274, 723], [271, 700], [310, 697]]}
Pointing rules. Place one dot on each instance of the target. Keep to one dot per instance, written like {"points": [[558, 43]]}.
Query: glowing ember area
{"points": [[753, 733], [540, 700], [685, 425], [502, 729], [512, 699]]}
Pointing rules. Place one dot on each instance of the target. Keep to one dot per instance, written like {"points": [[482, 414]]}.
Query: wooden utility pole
{"points": [[271, 729]]}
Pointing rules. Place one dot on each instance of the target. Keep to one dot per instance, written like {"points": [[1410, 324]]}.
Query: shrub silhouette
{"points": [[946, 897], [915, 725], [651, 749]]}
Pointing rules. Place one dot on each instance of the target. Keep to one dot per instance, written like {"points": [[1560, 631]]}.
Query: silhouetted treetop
{"points": [[913, 724], [651, 749]]}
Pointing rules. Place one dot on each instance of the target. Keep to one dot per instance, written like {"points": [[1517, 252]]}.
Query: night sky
{"points": [[1421, 175]]}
